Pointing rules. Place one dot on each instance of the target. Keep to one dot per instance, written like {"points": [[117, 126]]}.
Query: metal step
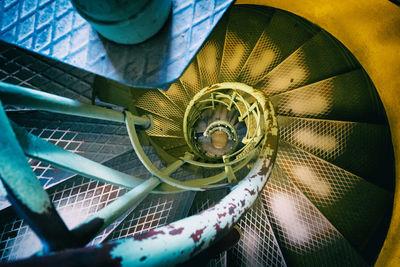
{"points": [[177, 93], [360, 148], [281, 37], [244, 28], [74, 199], [305, 236], [210, 54], [258, 245], [319, 58], [354, 206], [346, 97], [165, 128], [156, 102]]}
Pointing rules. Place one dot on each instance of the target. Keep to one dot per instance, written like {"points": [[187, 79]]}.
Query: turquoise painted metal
{"points": [[24, 191], [19, 95], [177, 242], [125, 22], [168, 245], [40, 149]]}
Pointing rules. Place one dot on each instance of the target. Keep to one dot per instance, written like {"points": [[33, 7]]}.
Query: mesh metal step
{"points": [[360, 148], [210, 55], [244, 28], [319, 58], [74, 199], [305, 236], [354, 206], [283, 35], [346, 97], [156, 102]]}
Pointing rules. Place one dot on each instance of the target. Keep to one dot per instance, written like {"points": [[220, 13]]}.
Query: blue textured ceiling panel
{"points": [[53, 28]]}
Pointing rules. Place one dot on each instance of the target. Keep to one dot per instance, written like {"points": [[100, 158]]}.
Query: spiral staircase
{"points": [[329, 197]]}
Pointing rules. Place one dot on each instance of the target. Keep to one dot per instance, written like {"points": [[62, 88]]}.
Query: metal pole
{"points": [[38, 148], [18, 95], [27, 196], [103, 218]]}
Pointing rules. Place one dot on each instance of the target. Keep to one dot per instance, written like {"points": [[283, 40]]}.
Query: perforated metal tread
{"points": [[157, 210], [347, 97], [165, 127], [79, 197], [156, 102], [281, 37], [257, 245], [210, 54], [319, 58], [95, 139], [244, 28], [75, 200], [305, 236], [191, 79], [21, 67], [360, 148], [354, 206], [178, 94]]}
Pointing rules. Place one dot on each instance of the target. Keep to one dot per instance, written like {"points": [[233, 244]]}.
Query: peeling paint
{"points": [[232, 208], [176, 231], [148, 234], [251, 192], [197, 235], [220, 215]]}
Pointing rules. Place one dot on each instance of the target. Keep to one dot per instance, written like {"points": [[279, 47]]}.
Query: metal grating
{"points": [[202, 201], [21, 67], [257, 245], [305, 236], [16, 239], [346, 97], [282, 36], [165, 127], [75, 200], [100, 140], [244, 28], [47, 174], [325, 139], [178, 95], [353, 205], [155, 102], [190, 79], [210, 55], [344, 144], [319, 58], [53, 28], [157, 209], [154, 211]]}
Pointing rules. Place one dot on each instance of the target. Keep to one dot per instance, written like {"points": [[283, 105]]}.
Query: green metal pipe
{"points": [[22, 96], [103, 218], [151, 168], [27, 196], [40, 149], [113, 211], [95, 224]]}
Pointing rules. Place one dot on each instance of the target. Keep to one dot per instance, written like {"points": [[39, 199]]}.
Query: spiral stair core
{"points": [[329, 197]]}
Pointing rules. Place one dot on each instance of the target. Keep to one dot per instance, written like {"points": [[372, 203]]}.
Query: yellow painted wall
{"points": [[370, 29]]}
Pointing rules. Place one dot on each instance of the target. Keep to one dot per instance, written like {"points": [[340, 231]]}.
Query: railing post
{"points": [[18, 95], [24, 191]]}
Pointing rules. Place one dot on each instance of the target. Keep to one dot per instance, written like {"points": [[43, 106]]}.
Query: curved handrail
{"points": [[179, 241]]}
